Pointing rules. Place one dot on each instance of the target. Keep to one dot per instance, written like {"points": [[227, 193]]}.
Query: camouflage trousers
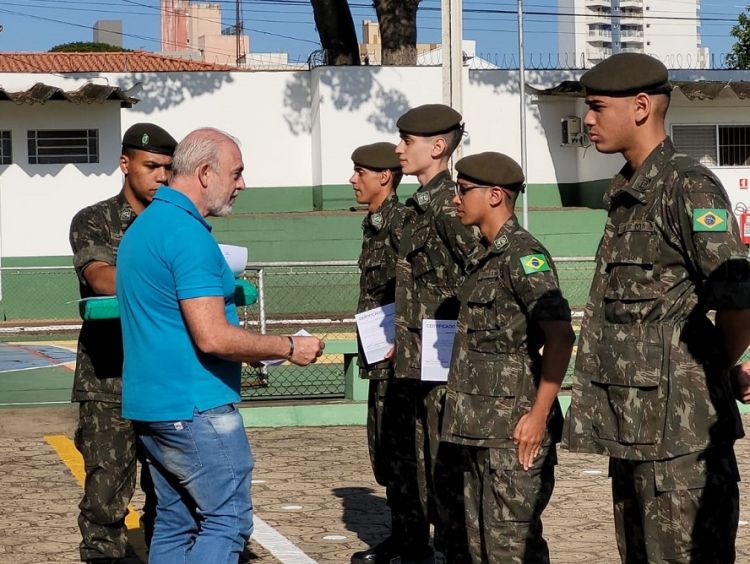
{"points": [[681, 510], [390, 433], [107, 443], [440, 475], [504, 505]]}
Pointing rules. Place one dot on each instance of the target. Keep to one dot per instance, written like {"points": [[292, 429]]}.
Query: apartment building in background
{"points": [[193, 30], [592, 30]]}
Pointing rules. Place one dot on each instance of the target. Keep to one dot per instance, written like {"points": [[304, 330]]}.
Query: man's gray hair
{"points": [[200, 147]]}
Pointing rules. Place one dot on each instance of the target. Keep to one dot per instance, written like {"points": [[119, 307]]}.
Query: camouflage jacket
{"points": [[95, 235], [649, 378], [435, 249], [382, 233], [496, 363]]}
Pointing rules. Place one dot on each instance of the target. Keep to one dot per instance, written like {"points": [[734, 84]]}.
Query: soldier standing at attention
{"points": [[390, 436], [435, 249], [501, 403], [652, 387], [106, 440]]}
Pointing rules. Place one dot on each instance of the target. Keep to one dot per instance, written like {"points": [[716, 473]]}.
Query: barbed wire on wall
{"points": [[544, 60]]}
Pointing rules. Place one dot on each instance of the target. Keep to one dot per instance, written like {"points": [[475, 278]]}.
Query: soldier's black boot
{"points": [[381, 553]]}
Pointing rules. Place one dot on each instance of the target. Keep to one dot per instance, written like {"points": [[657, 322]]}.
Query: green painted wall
{"points": [[278, 224]]}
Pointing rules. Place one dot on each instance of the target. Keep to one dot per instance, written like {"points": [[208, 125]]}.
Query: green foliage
{"points": [[86, 47], [739, 56]]}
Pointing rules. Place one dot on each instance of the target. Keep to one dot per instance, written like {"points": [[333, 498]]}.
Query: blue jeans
{"points": [[202, 471]]}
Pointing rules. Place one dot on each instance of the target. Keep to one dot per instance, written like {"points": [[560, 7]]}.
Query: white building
{"points": [[591, 30]]}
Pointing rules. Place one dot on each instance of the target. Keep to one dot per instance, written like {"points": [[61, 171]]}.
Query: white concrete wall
{"points": [[296, 129], [37, 202]]}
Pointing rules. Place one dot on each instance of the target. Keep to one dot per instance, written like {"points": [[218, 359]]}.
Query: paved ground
{"points": [[313, 485]]}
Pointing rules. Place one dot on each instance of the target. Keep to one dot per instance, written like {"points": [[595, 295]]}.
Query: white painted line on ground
{"points": [[291, 507], [742, 523], [277, 544], [22, 403], [593, 472], [258, 481], [72, 362]]}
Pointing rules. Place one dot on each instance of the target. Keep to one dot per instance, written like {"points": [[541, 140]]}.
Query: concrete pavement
{"points": [[313, 491]]}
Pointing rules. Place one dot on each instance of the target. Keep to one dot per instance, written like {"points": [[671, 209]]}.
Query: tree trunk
{"points": [[336, 30], [398, 31]]}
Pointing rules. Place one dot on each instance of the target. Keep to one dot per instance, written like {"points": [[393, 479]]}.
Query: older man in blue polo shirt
{"points": [[183, 348]]}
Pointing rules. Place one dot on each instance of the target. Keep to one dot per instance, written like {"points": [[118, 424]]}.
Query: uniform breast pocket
{"points": [[631, 271], [418, 256], [481, 321], [633, 371], [376, 268]]}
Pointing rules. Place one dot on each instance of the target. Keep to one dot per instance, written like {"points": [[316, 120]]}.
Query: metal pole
{"points": [[262, 312], [522, 90], [452, 57]]}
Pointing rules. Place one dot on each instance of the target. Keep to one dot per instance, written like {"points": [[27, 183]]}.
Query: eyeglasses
{"points": [[461, 189]]}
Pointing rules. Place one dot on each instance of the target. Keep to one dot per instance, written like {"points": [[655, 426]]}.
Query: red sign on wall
{"points": [[743, 184]]}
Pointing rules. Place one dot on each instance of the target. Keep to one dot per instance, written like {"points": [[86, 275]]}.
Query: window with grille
{"points": [[714, 145], [6, 149], [61, 146]]}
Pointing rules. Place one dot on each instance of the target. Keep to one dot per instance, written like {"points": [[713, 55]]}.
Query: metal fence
{"points": [[320, 297]]}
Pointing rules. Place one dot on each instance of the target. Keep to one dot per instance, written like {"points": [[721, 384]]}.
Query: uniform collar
{"points": [[497, 246], [637, 183], [180, 200], [376, 219], [422, 197], [124, 210]]}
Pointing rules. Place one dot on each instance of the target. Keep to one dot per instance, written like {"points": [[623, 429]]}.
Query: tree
{"points": [[398, 31], [86, 47], [336, 30], [739, 56]]}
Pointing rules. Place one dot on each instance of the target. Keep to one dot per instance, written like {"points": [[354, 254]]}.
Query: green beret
{"points": [[150, 138], [378, 156], [627, 74], [491, 169], [429, 119]]}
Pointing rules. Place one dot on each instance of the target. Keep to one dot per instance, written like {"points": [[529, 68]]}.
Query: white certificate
{"points": [[437, 348], [377, 331], [236, 258], [278, 361]]}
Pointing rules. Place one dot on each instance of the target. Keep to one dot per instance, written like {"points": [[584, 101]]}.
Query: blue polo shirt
{"points": [[169, 255]]}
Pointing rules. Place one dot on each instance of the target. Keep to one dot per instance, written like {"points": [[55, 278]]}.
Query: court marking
{"points": [[269, 538], [70, 456]]}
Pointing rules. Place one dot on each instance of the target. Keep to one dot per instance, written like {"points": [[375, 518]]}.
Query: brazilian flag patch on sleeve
{"points": [[534, 263], [709, 219]]}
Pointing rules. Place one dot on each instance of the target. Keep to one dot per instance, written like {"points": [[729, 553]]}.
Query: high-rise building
{"points": [[193, 30], [109, 32], [592, 30]]}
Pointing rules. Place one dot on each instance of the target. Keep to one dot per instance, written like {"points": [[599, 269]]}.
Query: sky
{"points": [[288, 25]]}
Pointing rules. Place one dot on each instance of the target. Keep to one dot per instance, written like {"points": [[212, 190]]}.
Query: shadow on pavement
{"points": [[361, 509]]}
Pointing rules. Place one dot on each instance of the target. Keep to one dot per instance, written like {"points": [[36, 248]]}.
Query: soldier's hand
{"points": [[741, 382], [306, 350], [390, 353], [528, 436]]}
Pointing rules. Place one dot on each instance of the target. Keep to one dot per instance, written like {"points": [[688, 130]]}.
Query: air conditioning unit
{"points": [[573, 134]]}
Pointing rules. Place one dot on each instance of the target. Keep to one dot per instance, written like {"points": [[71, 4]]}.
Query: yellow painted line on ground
{"points": [[69, 454]]}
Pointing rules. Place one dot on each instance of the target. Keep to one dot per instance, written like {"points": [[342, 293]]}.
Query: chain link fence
{"points": [[320, 297]]}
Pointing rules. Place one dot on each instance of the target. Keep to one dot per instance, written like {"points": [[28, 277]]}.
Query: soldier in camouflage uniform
{"points": [[501, 403], [652, 387], [435, 249], [377, 174], [106, 440]]}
